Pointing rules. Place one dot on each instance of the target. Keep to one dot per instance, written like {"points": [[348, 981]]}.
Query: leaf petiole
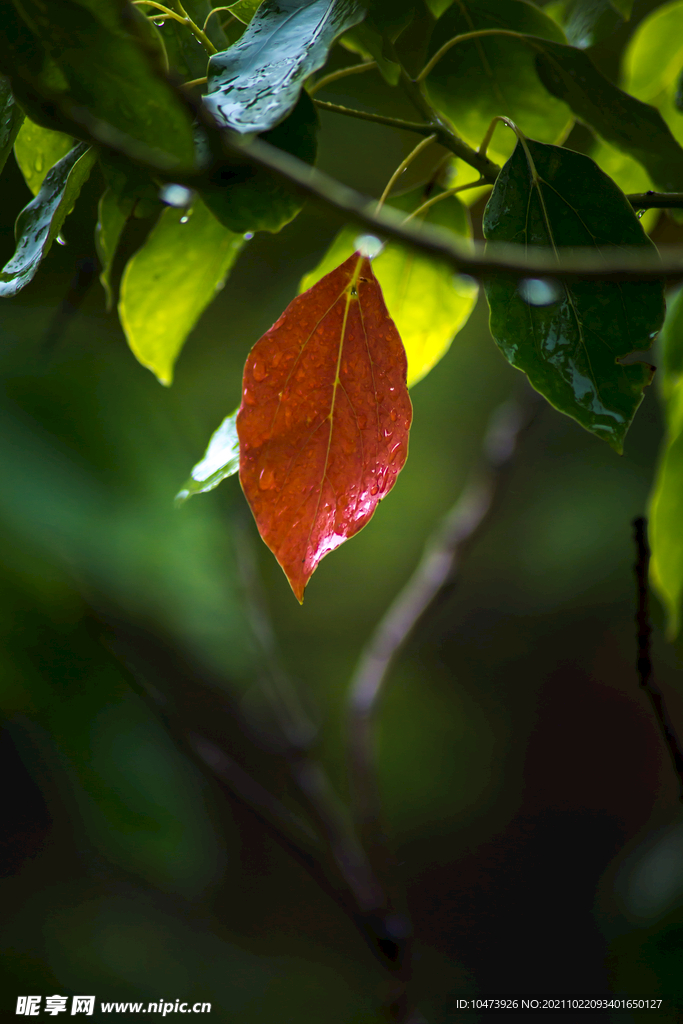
{"points": [[402, 167], [354, 69], [443, 195]]}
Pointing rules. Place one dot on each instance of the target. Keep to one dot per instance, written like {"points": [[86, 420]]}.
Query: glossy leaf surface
{"points": [[631, 126], [478, 79], [104, 53], [11, 117], [324, 419], [37, 150], [257, 81], [568, 338], [428, 302], [39, 223], [247, 198], [666, 504], [221, 460], [170, 281]]}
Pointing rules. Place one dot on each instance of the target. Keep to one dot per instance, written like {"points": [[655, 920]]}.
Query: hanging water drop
{"points": [[248, 235], [186, 216], [60, 239], [368, 245], [539, 291], [175, 195]]}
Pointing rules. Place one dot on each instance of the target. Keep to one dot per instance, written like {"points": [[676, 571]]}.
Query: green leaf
{"points": [[100, 49], [671, 346], [665, 512], [221, 459], [247, 198], [633, 127], [11, 117], [666, 503], [569, 338], [38, 149], [256, 82], [244, 10], [111, 220], [428, 302], [171, 280], [369, 44], [478, 79], [39, 223]]}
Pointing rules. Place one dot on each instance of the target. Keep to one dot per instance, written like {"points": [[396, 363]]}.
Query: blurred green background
{"points": [[529, 796]]}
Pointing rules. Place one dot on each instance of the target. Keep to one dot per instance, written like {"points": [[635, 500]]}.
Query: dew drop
{"points": [[266, 480], [259, 371], [248, 235], [539, 291], [38, 165], [185, 217], [175, 195], [374, 489], [639, 214], [368, 245], [61, 240]]}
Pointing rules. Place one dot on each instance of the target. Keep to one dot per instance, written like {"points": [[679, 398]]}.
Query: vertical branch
{"points": [[644, 655], [435, 572]]}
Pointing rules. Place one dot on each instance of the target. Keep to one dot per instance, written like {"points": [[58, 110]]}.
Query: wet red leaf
{"points": [[324, 420]]}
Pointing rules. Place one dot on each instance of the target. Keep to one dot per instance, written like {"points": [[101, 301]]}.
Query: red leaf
{"points": [[324, 420]]}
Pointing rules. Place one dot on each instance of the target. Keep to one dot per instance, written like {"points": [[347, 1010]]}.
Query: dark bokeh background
{"points": [[529, 796]]}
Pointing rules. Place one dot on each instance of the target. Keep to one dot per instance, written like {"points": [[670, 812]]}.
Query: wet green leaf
{"points": [[428, 302], [631, 126], [110, 70], [111, 220], [257, 81], [247, 198], [11, 117], [37, 150], [39, 223], [480, 78], [171, 280], [569, 339], [221, 459]]}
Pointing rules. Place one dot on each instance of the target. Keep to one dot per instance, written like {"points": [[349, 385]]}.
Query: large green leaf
{"points": [[221, 460], [11, 117], [102, 50], [247, 198], [631, 126], [256, 82], [478, 79], [38, 149], [666, 503], [569, 338], [39, 223], [428, 302], [170, 281]]}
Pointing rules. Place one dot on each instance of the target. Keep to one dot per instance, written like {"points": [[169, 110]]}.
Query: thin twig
{"points": [[656, 200], [435, 571], [334, 76], [405, 163], [644, 658], [367, 115]]}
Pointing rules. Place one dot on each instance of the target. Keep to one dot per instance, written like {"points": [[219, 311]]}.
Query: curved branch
{"points": [[435, 572]]}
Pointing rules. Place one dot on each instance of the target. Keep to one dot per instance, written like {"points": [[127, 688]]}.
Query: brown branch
{"points": [[435, 572], [644, 657]]}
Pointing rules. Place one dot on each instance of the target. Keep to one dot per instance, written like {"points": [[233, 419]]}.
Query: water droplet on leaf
{"points": [[538, 291], [175, 195]]}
